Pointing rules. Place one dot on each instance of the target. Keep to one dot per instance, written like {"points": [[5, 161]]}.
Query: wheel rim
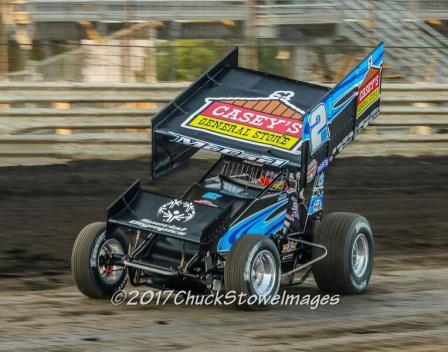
{"points": [[263, 273], [109, 274], [360, 255]]}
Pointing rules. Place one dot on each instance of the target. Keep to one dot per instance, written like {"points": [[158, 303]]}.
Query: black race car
{"points": [[255, 218]]}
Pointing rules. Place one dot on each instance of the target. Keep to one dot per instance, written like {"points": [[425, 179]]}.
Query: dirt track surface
{"points": [[403, 310], [42, 208]]}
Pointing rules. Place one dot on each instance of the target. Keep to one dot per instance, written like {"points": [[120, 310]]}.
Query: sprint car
{"points": [[255, 220]]}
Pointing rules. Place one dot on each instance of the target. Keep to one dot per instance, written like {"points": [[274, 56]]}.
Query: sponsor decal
{"points": [[323, 165], [159, 227], [287, 257], [211, 195], [176, 210], [320, 181], [347, 139], [268, 121], [289, 246], [311, 170], [369, 89], [196, 143], [316, 203], [205, 202], [365, 122]]}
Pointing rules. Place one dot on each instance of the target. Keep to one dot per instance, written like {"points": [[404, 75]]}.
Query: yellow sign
{"points": [[245, 132], [369, 91], [367, 101]]}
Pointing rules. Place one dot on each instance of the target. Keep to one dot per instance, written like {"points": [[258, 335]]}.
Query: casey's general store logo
{"points": [[271, 121], [369, 90]]}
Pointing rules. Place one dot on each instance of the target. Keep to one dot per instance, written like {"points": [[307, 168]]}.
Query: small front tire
{"points": [[92, 270]]}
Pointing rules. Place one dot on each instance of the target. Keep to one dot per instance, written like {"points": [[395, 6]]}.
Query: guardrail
{"points": [[51, 122], [123, 11], [75, 10]]}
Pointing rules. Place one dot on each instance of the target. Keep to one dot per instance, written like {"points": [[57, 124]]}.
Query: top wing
{"points": [[265, 118], [235, 111]]}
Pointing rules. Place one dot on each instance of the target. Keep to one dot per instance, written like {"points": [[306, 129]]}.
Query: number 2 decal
{"points": [[318, 127]]}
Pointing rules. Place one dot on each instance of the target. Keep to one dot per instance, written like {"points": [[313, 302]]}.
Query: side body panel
{"points": [[343, 113], [265, 216]]}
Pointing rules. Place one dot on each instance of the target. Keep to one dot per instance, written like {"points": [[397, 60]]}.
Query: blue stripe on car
{"points": [[259, 223]]}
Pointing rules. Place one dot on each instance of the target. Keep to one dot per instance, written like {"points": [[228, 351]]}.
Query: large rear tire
{"points": [[349, 263], [253, 268], [92, 271]]}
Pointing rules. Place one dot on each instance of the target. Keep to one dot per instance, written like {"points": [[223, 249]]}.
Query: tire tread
{"points": [[80, 261], [330, 273], [236, 261]]}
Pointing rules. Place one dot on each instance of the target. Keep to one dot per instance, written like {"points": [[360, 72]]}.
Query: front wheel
{"points": [[92, 268], [252, 269], [349, 263]]}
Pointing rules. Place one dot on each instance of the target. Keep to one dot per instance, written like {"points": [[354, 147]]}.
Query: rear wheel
{"points": [[349, 263], [253, 269], [92, 267]]}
